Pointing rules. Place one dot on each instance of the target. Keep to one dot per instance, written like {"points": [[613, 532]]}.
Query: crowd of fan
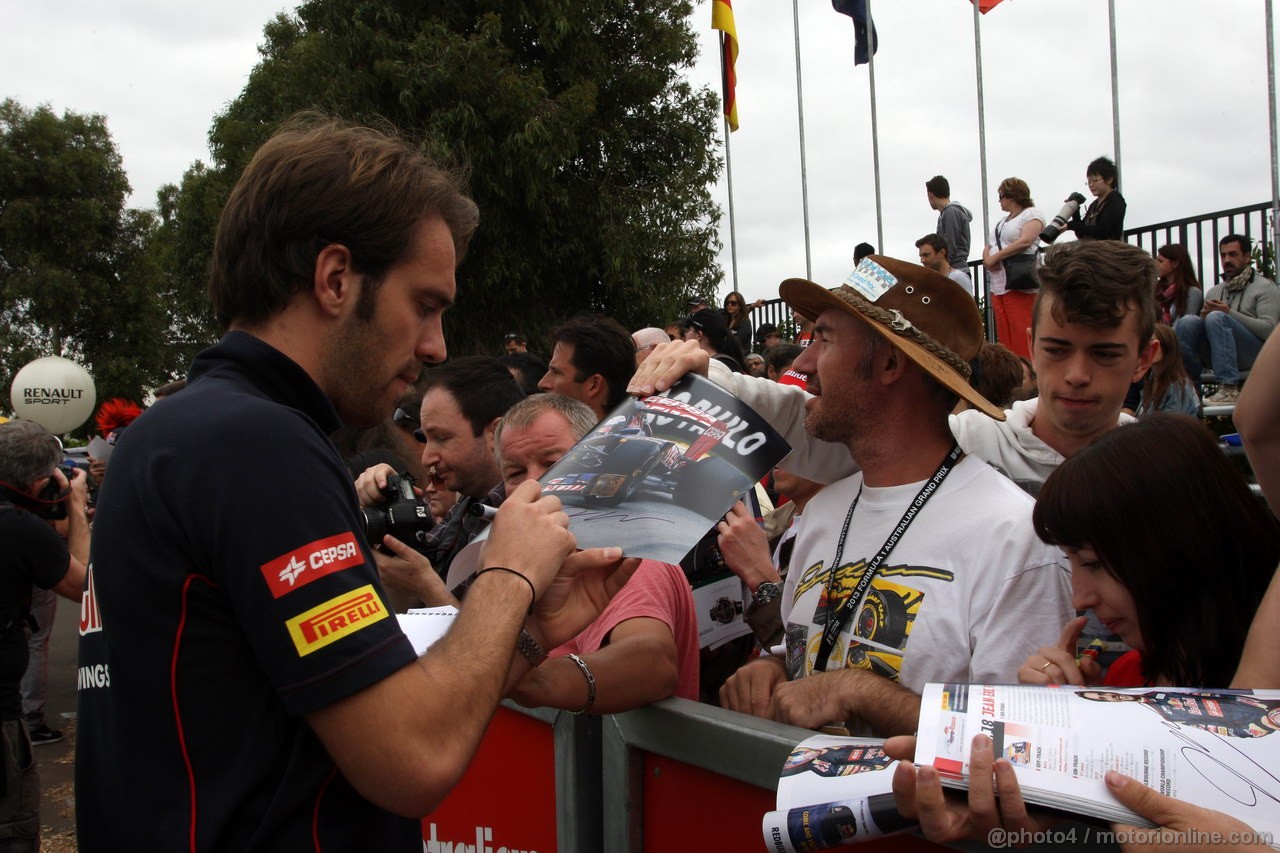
{"points": [[948, 512], [1129, 508], [1169, 550]]}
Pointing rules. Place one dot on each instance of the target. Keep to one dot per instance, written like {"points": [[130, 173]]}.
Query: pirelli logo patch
{"points": [[310, 562], [337, 618]]}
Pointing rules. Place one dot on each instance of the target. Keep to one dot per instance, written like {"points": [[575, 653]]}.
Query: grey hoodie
{"points": [[953, 228], [1010, 445]]}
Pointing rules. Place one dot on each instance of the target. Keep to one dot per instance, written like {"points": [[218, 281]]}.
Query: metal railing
{"points": [[774, 311], [600, 786], [740, 747], [1200, 234]]}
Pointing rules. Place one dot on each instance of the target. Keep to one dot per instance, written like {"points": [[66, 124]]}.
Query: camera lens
{"points": [[375, 524]]}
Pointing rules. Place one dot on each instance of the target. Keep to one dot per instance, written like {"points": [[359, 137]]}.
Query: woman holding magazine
{"points": [[1174, 553], [996, 814], [1168, 546]]}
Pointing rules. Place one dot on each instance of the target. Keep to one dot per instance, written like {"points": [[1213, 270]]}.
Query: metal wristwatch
{"points": [[765, 593], [530, 648]]}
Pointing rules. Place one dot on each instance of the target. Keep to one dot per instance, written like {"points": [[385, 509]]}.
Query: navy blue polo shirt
{"points": [[229, 593]]}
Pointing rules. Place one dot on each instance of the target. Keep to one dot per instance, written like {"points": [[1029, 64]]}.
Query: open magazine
{"points": [[833, 791], [1218, 749], [659, 471], [654, 477]]}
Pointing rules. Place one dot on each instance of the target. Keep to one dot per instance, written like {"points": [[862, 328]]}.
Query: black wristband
{"points": [[533, 595]]}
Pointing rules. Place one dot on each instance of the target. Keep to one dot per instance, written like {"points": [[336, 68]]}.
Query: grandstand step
{"points": [[1218, 410], [1208, 378]]}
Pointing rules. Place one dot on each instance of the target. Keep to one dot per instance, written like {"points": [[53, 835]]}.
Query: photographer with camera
{"points": [[34, 494], [1104, 218], [462, 403]]}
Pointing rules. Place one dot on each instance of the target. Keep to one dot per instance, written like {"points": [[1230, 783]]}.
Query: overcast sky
{"points": [[1193, 107]]}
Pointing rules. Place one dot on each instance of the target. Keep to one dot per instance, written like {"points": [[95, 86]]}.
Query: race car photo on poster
{"points": [[659, 471]]}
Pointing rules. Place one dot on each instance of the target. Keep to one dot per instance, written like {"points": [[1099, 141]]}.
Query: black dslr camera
{"points": [[405, 516], [50, 503]]}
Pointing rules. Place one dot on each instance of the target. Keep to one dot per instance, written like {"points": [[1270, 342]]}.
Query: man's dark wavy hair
{"points": [[1097, 283], [600, 345], [482, 386], [318, 182]]}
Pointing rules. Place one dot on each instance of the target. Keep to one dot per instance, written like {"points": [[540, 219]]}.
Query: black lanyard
{"points": [[837, 619]]}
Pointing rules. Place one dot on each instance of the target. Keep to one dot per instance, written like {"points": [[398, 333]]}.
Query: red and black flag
{"points": [[722, 20]]}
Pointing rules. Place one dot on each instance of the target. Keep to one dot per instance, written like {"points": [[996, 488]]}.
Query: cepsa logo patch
{"points": [[337, 618], [314, 560]]}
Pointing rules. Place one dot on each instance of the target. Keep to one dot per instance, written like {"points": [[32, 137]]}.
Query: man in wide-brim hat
{"points": [[916, 563]]}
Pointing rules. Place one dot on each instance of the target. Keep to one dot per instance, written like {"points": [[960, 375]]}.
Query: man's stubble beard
{"points": [[352, 364]]}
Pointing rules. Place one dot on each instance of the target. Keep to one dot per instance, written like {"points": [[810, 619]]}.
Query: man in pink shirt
{"points": [[644, 645]]}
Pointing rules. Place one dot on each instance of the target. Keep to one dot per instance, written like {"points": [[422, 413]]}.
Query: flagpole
{"points": [[733, 233], [722, 20], [1271, 110], [875, 132], [982, 152], [804, 173], [1115, 85]]}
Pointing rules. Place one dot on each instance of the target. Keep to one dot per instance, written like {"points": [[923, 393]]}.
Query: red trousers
{"points": [[1013, 318]]}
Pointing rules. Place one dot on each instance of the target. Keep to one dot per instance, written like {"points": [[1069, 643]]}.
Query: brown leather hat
{"points": [[933, 320]]}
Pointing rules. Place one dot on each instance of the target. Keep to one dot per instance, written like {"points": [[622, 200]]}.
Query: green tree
{"points": [[181, 247], [76, 276], [589, 156]]}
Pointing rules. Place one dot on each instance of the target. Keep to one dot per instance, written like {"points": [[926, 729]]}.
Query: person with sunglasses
{"points": [[1009, 256], [736, 313], [514, 342]]}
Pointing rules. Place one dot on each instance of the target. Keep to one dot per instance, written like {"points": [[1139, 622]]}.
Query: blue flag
{"points": [[857, 9]]}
